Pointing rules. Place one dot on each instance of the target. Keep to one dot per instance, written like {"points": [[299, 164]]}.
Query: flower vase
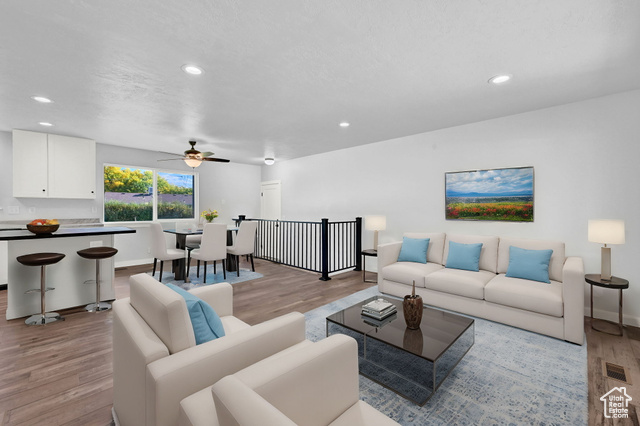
{"points": [[412, 308]]}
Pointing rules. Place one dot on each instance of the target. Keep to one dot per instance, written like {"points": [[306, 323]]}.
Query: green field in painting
{"points": [[515, 211]]}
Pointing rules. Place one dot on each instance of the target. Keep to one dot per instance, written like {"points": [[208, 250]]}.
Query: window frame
{"points": [[154, 216]]}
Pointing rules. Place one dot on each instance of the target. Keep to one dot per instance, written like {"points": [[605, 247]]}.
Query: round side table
{"points": [[614, 283], [365, 253]]}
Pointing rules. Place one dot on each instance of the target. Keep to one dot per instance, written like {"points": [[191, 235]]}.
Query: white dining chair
{"points": [[193, 240], [212, 248], [159, 249], [244, 243]]}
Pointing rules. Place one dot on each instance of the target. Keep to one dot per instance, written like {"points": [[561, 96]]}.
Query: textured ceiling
{"points": [[281, 74]]}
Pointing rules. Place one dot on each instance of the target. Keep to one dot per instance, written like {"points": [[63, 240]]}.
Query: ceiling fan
{"points": [[194, 158]]}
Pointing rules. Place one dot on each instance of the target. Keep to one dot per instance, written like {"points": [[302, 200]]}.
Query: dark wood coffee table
{"points": [[412, 363]]}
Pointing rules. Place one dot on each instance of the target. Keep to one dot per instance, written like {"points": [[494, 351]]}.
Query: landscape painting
{"points": [[496, 194]]}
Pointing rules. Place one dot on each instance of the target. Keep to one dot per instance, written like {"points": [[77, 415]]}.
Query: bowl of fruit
{"points": [[43, 226]]}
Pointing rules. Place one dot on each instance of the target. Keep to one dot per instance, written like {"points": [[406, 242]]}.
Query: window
{"points": [[136, 194], [175, 195]]}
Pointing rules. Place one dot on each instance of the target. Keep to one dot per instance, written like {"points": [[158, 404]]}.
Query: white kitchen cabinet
{"points": [[72, 167], [53, 166], [30, 164]]}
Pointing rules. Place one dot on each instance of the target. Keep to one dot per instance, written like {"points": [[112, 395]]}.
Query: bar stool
{"points": [[97, 253], [41, 260]]}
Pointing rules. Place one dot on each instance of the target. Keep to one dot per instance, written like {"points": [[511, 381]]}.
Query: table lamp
{"points": [[375, 224], [606, 232]]}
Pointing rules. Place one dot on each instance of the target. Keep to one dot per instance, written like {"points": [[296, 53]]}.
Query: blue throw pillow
{"points": [[206, 323], [529, 264], [464, 256], [414, 250]]}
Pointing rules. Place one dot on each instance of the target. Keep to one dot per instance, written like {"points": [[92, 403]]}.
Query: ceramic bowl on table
{"points": [[43, 229]]}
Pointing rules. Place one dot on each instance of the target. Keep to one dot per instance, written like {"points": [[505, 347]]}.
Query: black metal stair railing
{"points": [[324, 247]]}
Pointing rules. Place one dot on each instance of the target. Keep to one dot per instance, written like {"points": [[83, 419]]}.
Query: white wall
{"points": [[585, 157], [231, 189]]}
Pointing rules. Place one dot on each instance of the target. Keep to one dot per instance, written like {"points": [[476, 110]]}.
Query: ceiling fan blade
{"points": [[171, 159], [206, 154], [219, 160]]}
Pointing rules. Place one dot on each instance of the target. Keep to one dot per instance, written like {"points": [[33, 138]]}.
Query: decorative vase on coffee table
{"points": [[412, 308]]}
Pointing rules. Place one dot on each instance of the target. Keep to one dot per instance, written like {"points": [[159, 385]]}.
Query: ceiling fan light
{"points": [[269, 161], [193, 162]]}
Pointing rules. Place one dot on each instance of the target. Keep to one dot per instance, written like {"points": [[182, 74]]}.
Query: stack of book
{"points": [[378, 309], [379, 323]]}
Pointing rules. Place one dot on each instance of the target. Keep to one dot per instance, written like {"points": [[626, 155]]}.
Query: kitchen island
{"points": [[68, 276]]}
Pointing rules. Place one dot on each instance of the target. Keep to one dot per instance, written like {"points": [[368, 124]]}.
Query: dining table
{"points": [[179, 265]]}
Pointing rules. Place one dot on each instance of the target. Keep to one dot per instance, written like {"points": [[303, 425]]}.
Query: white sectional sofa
{"points": [[555, 309]]}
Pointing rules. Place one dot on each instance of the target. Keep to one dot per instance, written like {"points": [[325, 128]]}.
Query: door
{"points": [[270, 200], [269, 233]]}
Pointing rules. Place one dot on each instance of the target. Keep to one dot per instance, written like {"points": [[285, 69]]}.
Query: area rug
{"points": [[232, 277], [509, 377]]}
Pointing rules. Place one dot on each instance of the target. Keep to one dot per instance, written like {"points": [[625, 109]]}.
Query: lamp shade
{"points": [[375, 223], [606, 231], [192, 162]]}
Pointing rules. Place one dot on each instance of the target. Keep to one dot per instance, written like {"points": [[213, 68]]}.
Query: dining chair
{"points": [[245, 243], [193, 242], [159, 249], [212, 248]]}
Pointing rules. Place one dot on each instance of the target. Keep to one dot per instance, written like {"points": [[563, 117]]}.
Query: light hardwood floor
{"points": [[61, 374]]}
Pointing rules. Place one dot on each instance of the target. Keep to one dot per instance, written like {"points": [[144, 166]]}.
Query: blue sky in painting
{"points": [[177, 179], [498, 182]]}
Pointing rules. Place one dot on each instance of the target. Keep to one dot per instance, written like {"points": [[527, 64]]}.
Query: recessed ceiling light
{"points": [[499, 79], [44, 123], [41, 99], [344, 124], [192, 69], [269, 161]]}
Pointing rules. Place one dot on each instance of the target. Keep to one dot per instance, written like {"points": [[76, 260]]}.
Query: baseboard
{"points": [[135, 262], [612, 316], [115, 421]]}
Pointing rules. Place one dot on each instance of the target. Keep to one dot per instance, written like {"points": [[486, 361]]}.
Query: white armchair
{"points": [[156, 362], [315, 384]]}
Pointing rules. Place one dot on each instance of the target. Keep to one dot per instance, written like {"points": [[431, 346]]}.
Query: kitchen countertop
{"points": [[7, 225], [64, 233]]}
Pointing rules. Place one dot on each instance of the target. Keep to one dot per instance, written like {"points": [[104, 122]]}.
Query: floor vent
{"points": [[616, 372]]}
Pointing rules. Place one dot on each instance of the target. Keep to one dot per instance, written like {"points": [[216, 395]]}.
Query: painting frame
{"points": [[499, 195]]}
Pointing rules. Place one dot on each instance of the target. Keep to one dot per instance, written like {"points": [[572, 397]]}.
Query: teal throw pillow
{"points": [[414, 250], [529, 264], [464, 256], [206, 323]]}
